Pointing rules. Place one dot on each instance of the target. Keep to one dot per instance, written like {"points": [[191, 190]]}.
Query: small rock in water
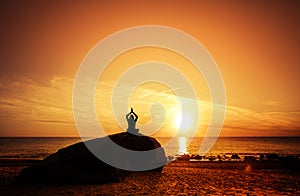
{"points": [[184, 157], [272, 156], [211, 158], [235, 156], [262, 157], [249, 158], [197, 157]]}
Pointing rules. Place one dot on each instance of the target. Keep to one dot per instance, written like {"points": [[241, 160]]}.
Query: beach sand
{"points": [[177, 178]]}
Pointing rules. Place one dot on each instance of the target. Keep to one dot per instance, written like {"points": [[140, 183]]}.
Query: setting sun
{"points": [[177, 121], [184, 123]]}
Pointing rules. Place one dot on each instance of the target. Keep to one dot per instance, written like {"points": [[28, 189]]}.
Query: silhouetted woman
{"points": [[131, 118]]}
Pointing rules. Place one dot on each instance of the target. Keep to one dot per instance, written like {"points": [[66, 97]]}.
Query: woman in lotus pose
{"points": [[131, 118]]}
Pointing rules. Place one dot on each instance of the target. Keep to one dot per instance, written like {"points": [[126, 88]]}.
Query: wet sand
{"points": [[177, 178]]}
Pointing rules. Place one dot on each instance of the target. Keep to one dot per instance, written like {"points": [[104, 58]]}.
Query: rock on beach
{"points": [[76, 164]]}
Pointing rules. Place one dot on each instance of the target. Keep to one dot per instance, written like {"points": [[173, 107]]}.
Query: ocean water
{"points": [[226, 146], [39, 148]]}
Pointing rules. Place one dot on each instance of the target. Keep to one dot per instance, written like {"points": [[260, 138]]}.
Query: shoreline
{"points": [[209, 164]]}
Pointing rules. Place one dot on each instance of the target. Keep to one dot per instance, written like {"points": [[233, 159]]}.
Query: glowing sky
{"points": [[254, 43]]}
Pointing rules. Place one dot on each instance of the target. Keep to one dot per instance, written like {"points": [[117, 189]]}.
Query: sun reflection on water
{"points": [[182, 146]]}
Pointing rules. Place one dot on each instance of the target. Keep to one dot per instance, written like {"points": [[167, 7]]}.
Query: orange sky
{"points": [[254, 43]]}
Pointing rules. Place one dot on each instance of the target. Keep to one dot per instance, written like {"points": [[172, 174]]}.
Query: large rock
{"points": [[76, 164]]}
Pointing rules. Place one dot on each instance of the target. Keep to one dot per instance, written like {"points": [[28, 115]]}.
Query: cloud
{"points": [[272, 103], [242, 118], [27, 100], [32, 104]]}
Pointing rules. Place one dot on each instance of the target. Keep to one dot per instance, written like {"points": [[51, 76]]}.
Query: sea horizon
{"points": [[41, 147]]}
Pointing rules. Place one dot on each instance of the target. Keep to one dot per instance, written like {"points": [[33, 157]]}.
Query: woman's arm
{"points": [[127, 116], [136, 116]]}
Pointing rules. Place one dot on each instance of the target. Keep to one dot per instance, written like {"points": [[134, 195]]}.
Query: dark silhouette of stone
{"points": [[76, 164], [262, 157], [249, 158], [212, 158], [289, 158], [184, 157], [272, 156], [235, 156], [196, 157]]}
